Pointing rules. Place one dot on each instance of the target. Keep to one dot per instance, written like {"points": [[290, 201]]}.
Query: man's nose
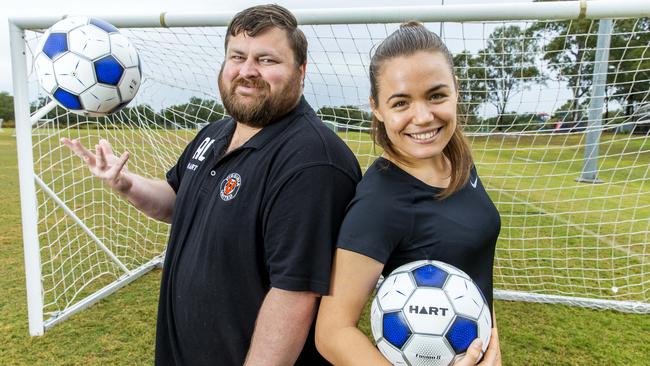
{"points": [[249, 69]]}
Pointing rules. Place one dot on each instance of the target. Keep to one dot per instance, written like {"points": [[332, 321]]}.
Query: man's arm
{"points": [[155, 198], [282, 327]]}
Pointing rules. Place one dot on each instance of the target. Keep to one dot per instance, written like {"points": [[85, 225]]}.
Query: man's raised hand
{"points": [[103, 163]]}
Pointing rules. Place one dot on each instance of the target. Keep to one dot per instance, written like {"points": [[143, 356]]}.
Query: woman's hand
{"points": [[492, 355]]}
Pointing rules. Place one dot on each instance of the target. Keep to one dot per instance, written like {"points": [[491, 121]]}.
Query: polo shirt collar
{"points": [[270, 131], [275, 128]]}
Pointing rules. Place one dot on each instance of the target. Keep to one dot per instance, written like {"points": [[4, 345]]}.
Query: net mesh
{"points": [[524, 90]]}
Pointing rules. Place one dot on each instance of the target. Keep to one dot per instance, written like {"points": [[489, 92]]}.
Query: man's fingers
{"points": [[101, 157], [108, 149], [79, 150], [113, 174], [115, 170]]}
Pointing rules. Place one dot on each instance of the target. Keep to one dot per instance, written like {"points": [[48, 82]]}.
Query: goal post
{"points": [[527, 77], [26, 177]]}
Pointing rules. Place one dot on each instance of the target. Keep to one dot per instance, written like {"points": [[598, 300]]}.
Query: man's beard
{"points": [[265, 107]]}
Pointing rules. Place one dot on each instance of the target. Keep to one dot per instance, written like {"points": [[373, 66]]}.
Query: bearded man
{"points": [[255, 202]]}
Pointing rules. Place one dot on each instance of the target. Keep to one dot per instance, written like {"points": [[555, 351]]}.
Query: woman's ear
{"points": [[375, 111]]}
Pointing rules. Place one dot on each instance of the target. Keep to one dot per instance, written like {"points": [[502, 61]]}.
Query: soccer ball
{"points": [[427, 313], [87, 66]]}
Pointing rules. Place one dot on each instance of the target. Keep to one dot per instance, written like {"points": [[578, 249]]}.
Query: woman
{"points": [[421, 199]]}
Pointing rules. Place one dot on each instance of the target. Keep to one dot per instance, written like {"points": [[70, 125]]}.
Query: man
{"points": [[255, 203]]}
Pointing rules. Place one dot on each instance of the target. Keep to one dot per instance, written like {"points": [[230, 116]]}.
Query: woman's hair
{"points": [[410, 38]]}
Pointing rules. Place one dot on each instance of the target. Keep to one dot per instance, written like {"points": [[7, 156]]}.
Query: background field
{"points": [[120, 329]]}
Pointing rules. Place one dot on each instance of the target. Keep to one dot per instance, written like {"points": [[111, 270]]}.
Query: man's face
{"points": [[259, 79]]}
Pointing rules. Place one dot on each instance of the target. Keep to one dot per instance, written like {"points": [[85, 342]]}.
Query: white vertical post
{"points": [[590, 168], [26, 177]]}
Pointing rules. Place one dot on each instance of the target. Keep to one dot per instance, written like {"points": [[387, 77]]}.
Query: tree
{"points": [[506, 65], [471, 87], [58, 116], [569, 55], [629, 62], [571, 50], [194, 112], [6, 106], [138, 114]]}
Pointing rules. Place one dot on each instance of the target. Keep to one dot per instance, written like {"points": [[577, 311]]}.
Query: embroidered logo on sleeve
{"points": [[230, 186], [474, 182]]}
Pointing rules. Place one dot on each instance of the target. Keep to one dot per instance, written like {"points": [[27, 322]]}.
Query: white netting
{"points": [[525, 90]]}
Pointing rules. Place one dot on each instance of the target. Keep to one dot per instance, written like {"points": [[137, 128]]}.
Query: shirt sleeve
{"points": [[374, 225], [301, 225]]}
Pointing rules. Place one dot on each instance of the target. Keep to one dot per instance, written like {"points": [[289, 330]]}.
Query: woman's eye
{"points": [[398, 104]]}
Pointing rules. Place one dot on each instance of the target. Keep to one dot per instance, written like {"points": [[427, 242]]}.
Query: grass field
{"points": [[120, 329]]}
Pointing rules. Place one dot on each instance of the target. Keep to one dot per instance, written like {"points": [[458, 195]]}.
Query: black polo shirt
{"points": [[264, 215], [395, 219]]}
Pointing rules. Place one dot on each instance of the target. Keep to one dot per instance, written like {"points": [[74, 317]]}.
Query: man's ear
{"points": [[303, 72], [375, 111]]}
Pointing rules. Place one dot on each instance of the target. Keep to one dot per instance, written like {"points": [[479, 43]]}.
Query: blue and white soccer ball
{"points": [[87, 66], [427, 313]]}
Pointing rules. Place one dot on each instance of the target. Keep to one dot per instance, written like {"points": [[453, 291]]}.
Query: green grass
{"points": [[119, 330]]}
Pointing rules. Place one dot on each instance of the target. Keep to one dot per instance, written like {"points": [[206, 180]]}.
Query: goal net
{"points": [[556, 111]]}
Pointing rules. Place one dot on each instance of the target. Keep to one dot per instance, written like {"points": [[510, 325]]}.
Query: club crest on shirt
{"points": [[230, 186]]}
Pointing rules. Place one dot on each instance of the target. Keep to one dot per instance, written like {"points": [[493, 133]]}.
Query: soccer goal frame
{"points": [[31, 182]]}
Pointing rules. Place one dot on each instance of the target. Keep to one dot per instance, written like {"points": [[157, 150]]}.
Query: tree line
{"points": [[568, 49]]}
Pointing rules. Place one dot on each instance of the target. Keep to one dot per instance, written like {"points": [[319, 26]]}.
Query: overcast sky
{"points": [[90, 7]]}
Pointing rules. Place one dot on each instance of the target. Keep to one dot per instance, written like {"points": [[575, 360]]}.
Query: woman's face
{"points": [[416, 102]]}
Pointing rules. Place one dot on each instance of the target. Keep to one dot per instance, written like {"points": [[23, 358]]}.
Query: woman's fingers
{"points": [[472, 355], [493, 352]]}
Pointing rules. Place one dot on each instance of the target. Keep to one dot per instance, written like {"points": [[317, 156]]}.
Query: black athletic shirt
{"points": [[395, 219], [264, 215]]}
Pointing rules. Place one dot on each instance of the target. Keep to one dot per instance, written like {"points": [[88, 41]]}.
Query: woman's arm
{"points": [[354, 277], [493, 351]]}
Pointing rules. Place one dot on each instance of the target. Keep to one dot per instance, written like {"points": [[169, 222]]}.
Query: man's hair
{"points": [[412, 37], [258, 19]]}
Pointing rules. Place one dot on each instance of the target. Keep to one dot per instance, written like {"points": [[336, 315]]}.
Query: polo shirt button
{"points": [[213, 173]]}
